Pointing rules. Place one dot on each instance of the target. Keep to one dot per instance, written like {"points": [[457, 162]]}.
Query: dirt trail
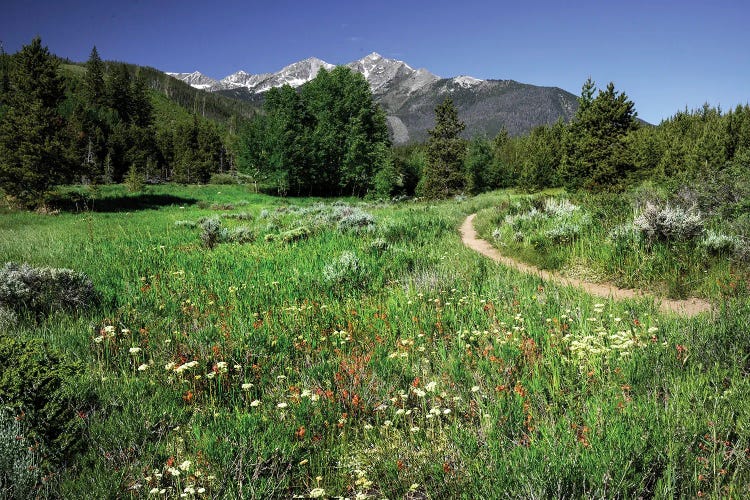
{"points": [[689, 307]]}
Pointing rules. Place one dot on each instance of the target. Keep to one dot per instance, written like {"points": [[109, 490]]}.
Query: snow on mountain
{"points": [[197, 80], [295, 74], [467, 81], [381, 73], [244, 79]]}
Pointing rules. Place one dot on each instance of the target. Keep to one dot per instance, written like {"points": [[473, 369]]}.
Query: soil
{"points": [[688, 307]]}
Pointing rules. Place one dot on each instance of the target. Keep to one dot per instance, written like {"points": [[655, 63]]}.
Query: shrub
{"points": [[238, 216], [223, 179], [345, 271], [8, 319], [241, 235], [563, 233], [186, 223], [222, 206], [40, 384], [354, 219], [211, 232], [718, 243], [668, 223], [134, 180], [20, 473], [379, 245], [296, 234], [45, 289], [625, 235], [559, 207]]}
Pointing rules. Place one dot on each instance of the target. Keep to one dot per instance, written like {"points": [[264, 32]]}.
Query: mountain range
{"points": [[409, 96]]}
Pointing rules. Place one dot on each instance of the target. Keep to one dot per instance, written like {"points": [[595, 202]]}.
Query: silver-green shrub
{"points": [[44, 289], [668, 223], [20, 472], [345, 271], [716, 243]]}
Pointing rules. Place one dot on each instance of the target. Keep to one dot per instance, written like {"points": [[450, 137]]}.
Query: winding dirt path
{"points": [[688, 307]]}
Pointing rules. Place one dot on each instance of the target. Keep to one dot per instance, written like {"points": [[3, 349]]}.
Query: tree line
{"points": [[605, 148], [92, 126]]}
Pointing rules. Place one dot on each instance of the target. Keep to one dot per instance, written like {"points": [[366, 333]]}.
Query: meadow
{"points": [[246, 346]]}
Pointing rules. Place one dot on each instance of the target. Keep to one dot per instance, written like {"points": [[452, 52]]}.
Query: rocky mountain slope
{"points": [[409, 96]]}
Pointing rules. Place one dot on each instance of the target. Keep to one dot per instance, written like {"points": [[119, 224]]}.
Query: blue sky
{"points": [[665, 55]]}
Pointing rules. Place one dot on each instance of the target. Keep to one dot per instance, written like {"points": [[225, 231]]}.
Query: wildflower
{"points": [[414, 429], [201, 491], [98, 340], [154, 491], [446, 411], [134, 350], [255, 403], [143, 367], [247, 386], [475, 388], [169, 366], [109, 329], [173, 472], [317, 492], [221, 366], [281, 405], [209, 375]]}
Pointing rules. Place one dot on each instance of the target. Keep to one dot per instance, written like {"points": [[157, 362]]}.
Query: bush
{"points": [[185, 223], [238, 216], [241, 235], [8, 319], [40, 384], [668, 223], [353, 219], [718, 243], [378, 245], [559, 208], [563, 233], [625, 235], [296, 234], [20, 473], [223, 179], [211, 232], [345, 271], [45, 289]]}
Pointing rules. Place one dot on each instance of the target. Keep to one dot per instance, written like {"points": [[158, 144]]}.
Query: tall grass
{"points": [[245, 370]]}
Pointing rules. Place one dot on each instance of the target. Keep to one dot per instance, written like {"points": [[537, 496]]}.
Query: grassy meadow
{"points": [[246, 346]]}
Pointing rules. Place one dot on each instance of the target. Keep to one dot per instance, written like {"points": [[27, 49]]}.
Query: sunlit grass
{"points": [[244, 371]]}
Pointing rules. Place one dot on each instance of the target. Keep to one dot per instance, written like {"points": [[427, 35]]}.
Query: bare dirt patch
{"points": [[687, 307]]}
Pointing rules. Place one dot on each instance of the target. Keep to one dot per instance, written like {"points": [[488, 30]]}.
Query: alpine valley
{"points": [[409, 96]]}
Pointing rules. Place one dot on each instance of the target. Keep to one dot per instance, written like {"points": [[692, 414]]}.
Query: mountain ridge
{"points": [[409, 96]]}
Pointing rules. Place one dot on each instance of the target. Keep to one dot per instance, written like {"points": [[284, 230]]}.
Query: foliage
{"points": [[667, 223], [595, 150], [39, 385], [45, 289], [20, 473], [31, 128], [444, 175], [331, 138]]}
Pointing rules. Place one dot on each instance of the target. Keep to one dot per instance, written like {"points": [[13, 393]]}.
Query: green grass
{"points": [[432, 371], [580, 245]]}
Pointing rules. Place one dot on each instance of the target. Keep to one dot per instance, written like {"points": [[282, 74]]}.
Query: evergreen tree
{"points": [[595, 156], [478, 163], [119, 92], [444, 173], [31, 151], [93, 82]]}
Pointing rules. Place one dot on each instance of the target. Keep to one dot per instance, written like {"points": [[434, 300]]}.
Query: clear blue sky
{"points": [[665, 55]]}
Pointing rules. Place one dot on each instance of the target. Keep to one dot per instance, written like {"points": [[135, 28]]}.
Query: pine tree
{"points": [[478, 162], [444, 172], [93, 82], [595, 149], [31, 152]]}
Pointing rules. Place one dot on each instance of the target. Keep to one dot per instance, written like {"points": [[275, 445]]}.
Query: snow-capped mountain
{"points": [[409, 96], [197, 80], [382, 73]]}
